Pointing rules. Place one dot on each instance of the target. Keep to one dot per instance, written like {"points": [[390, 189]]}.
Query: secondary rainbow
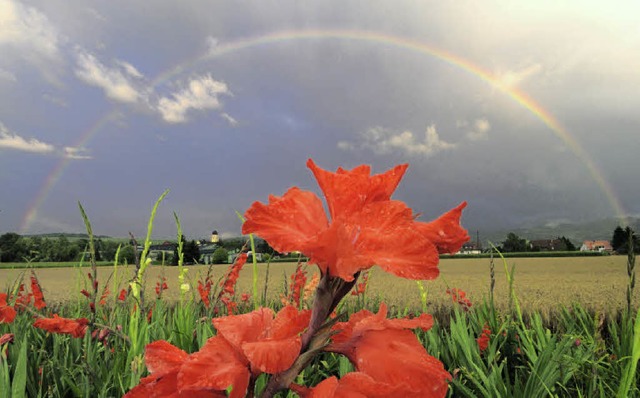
{"points": [[358, 36]]}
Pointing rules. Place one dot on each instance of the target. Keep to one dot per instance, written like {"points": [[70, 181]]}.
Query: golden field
{"points": [[541, 284]]}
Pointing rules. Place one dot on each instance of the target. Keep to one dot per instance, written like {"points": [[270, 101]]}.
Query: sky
{"points": [[526, 110]]}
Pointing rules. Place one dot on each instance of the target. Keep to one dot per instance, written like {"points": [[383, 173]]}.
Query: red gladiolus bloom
{"points": [[366, 226], [245, 297], [383, 349], [229, 284], [246, 344], [6, 338], [22, 300], [163, 361], [37, 293], [460, 297], [85, 293], [205, 291], [7, 313], [351, 385], [361, 287], [485, 337], [74, 327], [123, 295]]}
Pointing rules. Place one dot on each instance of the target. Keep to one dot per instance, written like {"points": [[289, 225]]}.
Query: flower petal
{"points": [[445, 232], [396, 357], [348, 191], [272, 356], [289, 322], [287, 222], [162, 357], [217, 365], [239, 329]]}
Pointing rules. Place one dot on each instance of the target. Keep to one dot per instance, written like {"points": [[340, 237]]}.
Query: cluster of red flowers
{"points": [[485, 337], [361, 287], [364, 228], [460, 297], [38, 297], [7, 312], [228, 286], [296, 287], [73, 327], [123, 295], [161, 286], [204, 288], [245, 346]]}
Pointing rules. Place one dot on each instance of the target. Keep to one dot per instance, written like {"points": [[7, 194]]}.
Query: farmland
{"points": [[541, 284]]}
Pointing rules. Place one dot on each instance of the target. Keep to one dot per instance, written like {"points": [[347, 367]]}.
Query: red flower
{"points": [[205, 290], [161, 286], [361, 287], [245, 297], [366, 227], [85, 293], [460, 297], [485, 337], [384, 350], [37, 293], [246, 344], [351, 385], [22, 300], [6, 338], [163, 361], [7, 313], [229, 284], [74, 327], [123, 295]]}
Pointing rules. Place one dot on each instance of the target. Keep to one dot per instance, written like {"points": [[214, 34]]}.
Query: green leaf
{"points": [[19, 383]]}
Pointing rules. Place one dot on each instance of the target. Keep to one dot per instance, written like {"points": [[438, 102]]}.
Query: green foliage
{"points": [[622, 237], [220, 256], [514, 243]]}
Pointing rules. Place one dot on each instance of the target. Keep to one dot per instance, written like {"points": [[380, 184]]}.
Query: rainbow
{"points": [[420, 47]]}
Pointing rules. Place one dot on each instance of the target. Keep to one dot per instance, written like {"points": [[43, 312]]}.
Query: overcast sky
{"points": [[111, 103]]}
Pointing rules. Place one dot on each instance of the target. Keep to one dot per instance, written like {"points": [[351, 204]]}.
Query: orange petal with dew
{"points": [[287, 222], [445, 232], [162, 357]]}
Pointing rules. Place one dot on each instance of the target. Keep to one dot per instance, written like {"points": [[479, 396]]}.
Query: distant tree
{"points": [[568, 245], [191, 252], [514, 243], [621, 238], [127, 255], [220, 256], [12, 248]]}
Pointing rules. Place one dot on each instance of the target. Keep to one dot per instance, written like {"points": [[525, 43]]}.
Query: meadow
{"points": [[517, 327], [542, 284]]}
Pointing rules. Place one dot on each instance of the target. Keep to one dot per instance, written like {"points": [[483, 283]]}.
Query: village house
{"points": [[596, 246]]}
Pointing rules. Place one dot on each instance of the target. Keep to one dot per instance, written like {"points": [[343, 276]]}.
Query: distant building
{"points": [[214, 237], [548, 245], [596, 246], [470, 248], [166, 249]]}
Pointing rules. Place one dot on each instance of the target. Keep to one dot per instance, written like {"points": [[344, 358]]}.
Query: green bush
{"points": [[220, 256]]}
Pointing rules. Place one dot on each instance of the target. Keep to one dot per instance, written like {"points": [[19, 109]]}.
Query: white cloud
{"points": [[29, 32], [212, 44], [75, 153], [512, 79], [55, 100], [117, 82], [201, 93], [381, 140], [13, 141], [8, 76], [130, 69], [230, 119], [480, 130]]}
